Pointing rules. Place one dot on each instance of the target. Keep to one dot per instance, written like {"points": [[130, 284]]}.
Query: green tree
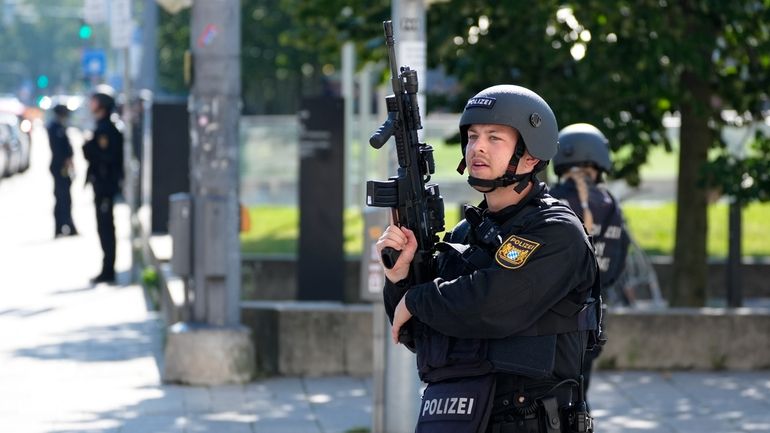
{"points": [[289, 48], [40, 40], [173, 42], [622, 65]]}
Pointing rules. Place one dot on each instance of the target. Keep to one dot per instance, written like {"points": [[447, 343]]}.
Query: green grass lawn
{"points": [[274, 229]]}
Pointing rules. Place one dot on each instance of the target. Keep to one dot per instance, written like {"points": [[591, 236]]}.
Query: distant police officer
{"points": [[104, 152], [501, 332], [581, 163], [61, 169]]}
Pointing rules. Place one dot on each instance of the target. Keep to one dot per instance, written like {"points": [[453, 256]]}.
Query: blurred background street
{"points": [[247, 294]]}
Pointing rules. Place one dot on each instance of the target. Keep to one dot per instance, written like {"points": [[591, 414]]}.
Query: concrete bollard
{"points": [[198, 354]]}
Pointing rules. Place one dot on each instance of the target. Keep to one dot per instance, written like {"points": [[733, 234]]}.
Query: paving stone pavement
{"points": [[76, 358]]}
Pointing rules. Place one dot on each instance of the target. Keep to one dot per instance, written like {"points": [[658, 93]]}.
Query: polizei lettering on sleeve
{"points": [[448, 407], [480, 102]]}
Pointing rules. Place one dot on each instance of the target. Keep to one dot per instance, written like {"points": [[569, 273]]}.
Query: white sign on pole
{"points": [[121, 26], [95, 11]]}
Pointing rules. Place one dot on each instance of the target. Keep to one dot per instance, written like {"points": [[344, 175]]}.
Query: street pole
{"points": [[215, 107], [214, 348], [734, 290], [736, 135], [352, 196], [402, 385], [149, 65], [129, 165]]}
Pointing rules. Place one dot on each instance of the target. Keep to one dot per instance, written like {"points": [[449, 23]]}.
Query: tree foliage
{"points": [[40, 40], [290, 48], [622, 65]]}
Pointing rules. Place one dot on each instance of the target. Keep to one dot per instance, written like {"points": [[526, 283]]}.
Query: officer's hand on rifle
{"points": [[400, 239]]}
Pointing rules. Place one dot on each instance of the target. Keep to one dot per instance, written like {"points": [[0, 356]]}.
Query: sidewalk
{"points": [[80, 359]]}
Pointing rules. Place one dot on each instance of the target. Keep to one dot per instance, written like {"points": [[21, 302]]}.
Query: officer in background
{"points": [[581, 163], [61, 169], [501, 332], [104, 153]]}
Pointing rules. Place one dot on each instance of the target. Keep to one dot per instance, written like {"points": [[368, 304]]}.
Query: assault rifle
{"points": [[416, 203]]}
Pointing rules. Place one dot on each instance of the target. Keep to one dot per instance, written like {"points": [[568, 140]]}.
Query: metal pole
{"points": [[364, 119], [348, 70], [146, 182], [402, 385], [149, 45], [214, 107], [734, 289], [378, 369], [129, 167]]}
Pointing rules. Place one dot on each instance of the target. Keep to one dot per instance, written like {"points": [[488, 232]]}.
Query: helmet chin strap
{"points": [[509, 178], [521, 181]]}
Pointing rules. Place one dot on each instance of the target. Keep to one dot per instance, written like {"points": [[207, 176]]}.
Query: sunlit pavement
{"points": [[75, 358]]}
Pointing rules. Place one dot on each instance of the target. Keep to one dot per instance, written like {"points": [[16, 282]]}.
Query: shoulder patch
{"points": [[515, 251], [104, 141]]}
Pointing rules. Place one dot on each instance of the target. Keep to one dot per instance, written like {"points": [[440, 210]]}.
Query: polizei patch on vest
{"points": [[515, 251], [480, 102], [448, 407]]}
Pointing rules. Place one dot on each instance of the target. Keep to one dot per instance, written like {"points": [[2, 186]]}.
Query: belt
{"points": [[536, 409], [531, 425], [522, 401]]}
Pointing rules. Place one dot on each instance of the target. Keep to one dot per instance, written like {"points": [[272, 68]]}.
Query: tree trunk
{"points": [[695, 138]]}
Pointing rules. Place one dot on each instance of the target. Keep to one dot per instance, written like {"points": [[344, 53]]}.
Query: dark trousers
{"points": [[62, 210], [105, 225]]}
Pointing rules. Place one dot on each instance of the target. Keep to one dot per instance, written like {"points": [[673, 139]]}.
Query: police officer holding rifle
{"points": [[501, 312]]}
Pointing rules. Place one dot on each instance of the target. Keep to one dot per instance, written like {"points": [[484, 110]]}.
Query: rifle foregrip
{"points": [[389, 257]]}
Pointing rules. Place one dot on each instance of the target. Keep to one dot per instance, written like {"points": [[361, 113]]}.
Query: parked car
{"points": [[20, 138], [8, 158], [5, 150]]}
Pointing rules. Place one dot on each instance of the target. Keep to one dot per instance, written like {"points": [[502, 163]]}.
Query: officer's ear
{"points": [[529, 162]]}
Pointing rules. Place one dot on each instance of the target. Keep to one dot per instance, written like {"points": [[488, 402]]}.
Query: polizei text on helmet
{"points": [[480, 102]]}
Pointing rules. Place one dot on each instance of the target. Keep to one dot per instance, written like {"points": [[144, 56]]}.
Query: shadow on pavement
{"points": [[98, 344]]}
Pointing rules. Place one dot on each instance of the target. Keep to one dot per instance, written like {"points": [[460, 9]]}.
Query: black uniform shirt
{"points": [[510, 296], [545, 256], [61, 150], [104, 153]]}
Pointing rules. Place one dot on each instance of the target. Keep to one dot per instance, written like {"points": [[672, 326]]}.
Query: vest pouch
{"points": [[432, 350], [440, 357], [530, 356], [457, 406]]}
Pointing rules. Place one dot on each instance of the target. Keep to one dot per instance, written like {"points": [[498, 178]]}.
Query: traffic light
{"points": [[42, 81], [85, 31]]}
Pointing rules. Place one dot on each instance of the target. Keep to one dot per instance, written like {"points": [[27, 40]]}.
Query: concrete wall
{"points": [[315, 339], [688, 338], [310, 338]]}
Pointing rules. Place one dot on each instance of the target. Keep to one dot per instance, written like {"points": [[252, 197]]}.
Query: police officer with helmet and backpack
{"points": [[500, 333], [581, 164]]}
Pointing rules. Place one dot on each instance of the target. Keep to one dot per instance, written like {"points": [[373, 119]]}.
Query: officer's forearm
{"points": [[391, 296]]}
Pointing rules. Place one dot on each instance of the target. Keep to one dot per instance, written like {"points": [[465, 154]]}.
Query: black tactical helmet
{"points": [[581, 144], [104, 95], [521, 109]]}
